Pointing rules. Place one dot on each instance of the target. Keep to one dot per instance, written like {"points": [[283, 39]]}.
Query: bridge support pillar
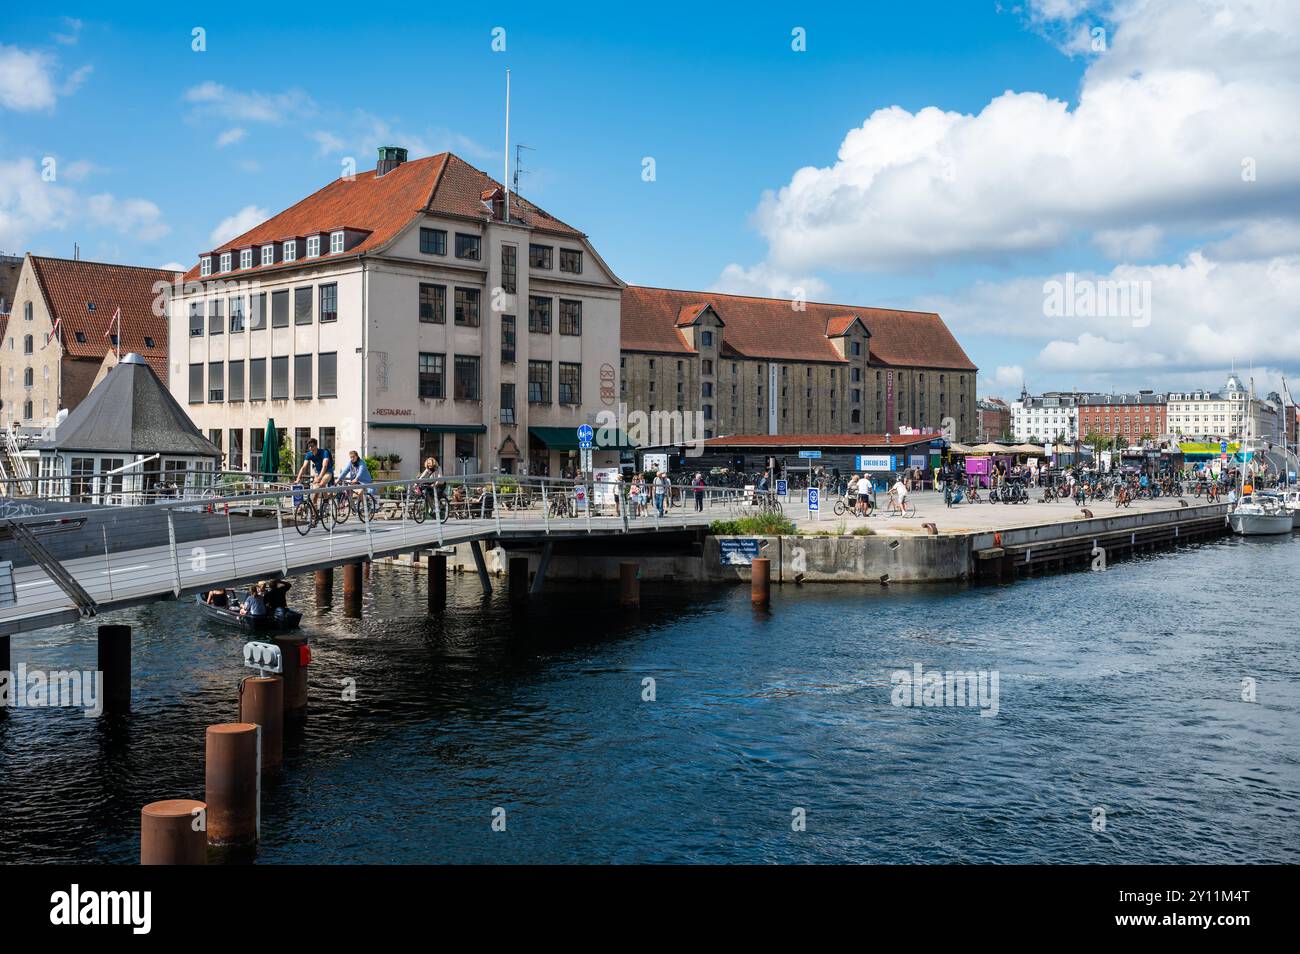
{"points": [[325, 586], [437, 582], [365, 569], [518, 570], [115, 664], [542, 566], [169, 834], [5, 665], [482, 567], [232, 786], [261, 702], [629, 584], [352, 589], [760, 581], [296, 655]]}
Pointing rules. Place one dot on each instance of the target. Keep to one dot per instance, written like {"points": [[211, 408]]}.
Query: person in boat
{"points": [[218, 598], [255, 604], [277, 597]]}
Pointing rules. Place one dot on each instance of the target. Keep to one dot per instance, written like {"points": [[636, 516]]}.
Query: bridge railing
{"points": [[153, 550]]}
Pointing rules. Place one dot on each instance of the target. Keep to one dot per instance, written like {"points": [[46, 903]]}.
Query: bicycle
{"points": [[308, 511], [895, 509], [350, 500]]}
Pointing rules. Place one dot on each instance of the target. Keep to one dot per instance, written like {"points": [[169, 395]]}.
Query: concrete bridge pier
{"points": [[352, 589], [325, 587], [437, 582]]}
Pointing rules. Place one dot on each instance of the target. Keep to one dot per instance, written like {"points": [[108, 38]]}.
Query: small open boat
{"points": [[289, 619]]}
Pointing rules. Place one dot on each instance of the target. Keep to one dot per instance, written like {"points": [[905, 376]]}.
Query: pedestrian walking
{"points": [[698, 486]]}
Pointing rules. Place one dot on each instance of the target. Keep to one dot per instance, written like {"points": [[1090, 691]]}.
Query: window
{"points": [[245, 258], [433, 303], [507, 403], [431, 375], [205, 265], [27, 342], [148, 342], [289, 251], [257, 379], [225, 261], [706, 339], [570, 383], [196, 383], [313, 246], [570, 317], [236, 316], [196, 321], [268, 254], [216, 317], [706, 389], [216, 382], [855, 348], [466, 377], [539, 382], [301, 377], [539, 315], [433, 241], [539, 256], [280, 379], [235, 381], [508, 339], [280, 309], [27, 410], [571, 260], [29, 377], [509, 271], [329, 303], [467, 246], [467, 307], [706, 366], [336, 242], [302, 305], [257, 311]]}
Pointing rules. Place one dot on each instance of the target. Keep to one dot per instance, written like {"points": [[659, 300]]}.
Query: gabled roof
{"points": [[838, 327], [10, 268], [774, 329], [72, 286], [131, 412], [688, 315], [383, 206]]}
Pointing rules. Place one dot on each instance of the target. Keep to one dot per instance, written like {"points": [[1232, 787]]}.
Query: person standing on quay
{"points": [[661, 488], [698, 486]]}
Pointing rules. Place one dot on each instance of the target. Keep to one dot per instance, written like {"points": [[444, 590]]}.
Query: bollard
{"points": [[437, 582], [760, 581], [352, 589], [629, 584], [261, 702], [232, 786], [296, 655], [518, 569], [115, 664], [171, 833], [324, 587]]}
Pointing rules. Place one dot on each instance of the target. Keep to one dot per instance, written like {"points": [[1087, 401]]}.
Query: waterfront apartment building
{"points": [[1139, 416], [1226, 414], [772, 366], [993, 420], [60, 332], [1051, 416], [403, 311]]}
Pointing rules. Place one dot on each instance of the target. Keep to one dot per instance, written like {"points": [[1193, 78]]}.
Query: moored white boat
{"points": [[1291, 501], [1256, 515]]}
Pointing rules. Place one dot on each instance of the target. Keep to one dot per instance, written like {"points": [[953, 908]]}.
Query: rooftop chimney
{"points": [[390, 157]]}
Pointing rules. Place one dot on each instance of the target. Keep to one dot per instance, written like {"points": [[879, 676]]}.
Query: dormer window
{"points": [[336, 242], [290, 250], [225, 261], [246, 258], [205, 265], [313, 246], [268, 254]]}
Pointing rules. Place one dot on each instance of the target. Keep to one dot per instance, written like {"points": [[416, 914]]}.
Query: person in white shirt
{"points": [[899, 492]]}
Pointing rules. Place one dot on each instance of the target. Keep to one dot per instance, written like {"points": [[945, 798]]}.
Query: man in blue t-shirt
{"points": [[320, 461]]}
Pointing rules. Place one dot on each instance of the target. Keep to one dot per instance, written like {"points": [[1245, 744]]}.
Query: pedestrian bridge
{"points": [[72, 563]]}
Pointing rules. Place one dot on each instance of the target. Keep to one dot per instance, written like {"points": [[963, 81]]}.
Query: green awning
{"points": [[566, 438], [433, 428]]}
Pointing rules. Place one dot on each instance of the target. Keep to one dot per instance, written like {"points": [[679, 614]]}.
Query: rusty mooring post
{"points": [[173, 832], [629, 584], [437, 582], [295, 655], [518, 570], [115, 664], [352, 589], [261, 702], [760, 581], [325, 586], [232, 785]]}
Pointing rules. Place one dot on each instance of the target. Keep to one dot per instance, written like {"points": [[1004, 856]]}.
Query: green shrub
{"points": [[863, 531], [767, 525]]}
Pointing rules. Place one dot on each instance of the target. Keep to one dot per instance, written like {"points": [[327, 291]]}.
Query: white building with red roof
{"points": [[403, 311]]}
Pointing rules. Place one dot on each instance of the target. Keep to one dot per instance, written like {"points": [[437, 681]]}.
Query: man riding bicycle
{"points": [[320, 461]]}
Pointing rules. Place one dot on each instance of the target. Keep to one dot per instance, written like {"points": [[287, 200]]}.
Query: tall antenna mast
{"points": [[505, 179], [519, 163]]}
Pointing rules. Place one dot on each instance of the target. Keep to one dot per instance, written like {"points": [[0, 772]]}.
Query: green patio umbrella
{"points": [[270, 450]]}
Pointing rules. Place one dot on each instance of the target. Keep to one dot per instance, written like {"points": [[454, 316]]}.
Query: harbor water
{"points": [[1147, 713]]}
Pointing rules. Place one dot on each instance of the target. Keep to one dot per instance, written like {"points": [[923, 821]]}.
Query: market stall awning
{"points": [[566, 438]]}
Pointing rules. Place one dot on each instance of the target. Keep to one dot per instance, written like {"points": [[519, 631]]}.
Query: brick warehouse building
{"points": [[1125, 415], [758, 366]]}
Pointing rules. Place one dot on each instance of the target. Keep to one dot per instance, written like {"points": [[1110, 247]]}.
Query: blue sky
{"points": [[156, 145]]}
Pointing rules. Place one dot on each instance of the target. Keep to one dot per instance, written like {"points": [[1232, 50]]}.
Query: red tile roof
{"points": [[383, 206], [820, 440], [770, 328], [70, 286]]}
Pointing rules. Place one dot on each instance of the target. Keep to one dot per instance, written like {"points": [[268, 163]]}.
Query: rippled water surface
{"points": [[1120, 690]]}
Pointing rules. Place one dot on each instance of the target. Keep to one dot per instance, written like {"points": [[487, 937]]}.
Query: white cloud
{"points": [[174, 267], [1125, 244], [1009, 376], [364, 132], [72, 33], [231, 136], [29, 206], [211, 98], [136, 217], [26, 81], [239, 223], [75, 79], [327, 142], [762, 281]]}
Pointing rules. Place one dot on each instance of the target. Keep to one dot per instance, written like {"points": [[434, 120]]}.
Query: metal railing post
{"points": [[496, 509], [546, 510], [108, 563], [370, 540], [591, 502], [437, 512], [176, 560], [230, 535], [279, 525]]}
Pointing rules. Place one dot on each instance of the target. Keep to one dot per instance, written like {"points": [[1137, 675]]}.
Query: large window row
{"points": [[539, 382], [310, 303], [543, 256], [239, 380]]}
